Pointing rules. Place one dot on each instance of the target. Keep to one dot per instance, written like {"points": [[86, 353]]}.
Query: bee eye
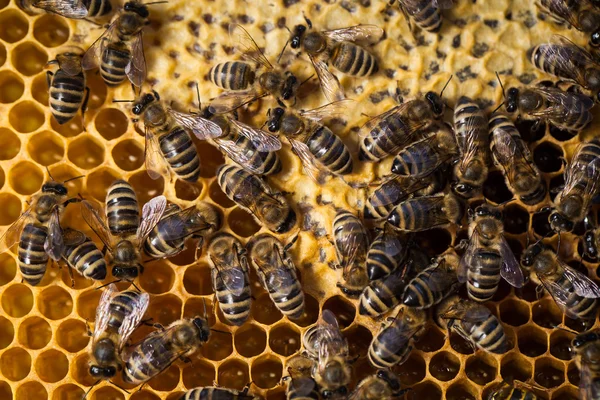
{"points": [[595, 39]]}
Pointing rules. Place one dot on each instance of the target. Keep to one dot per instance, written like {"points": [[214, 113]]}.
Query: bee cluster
{"points": [[426, 164]]}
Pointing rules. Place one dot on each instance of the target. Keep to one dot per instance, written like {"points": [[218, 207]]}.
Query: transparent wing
{"points": [[580, 171], [336, 109], [229, 101], [91, 58], [386, 124], [509, 152], [467, 259], [263, 141], [66, 8], [244, 43], [442, 277], [393, 190], [558, 293], [303, 386], [233, 276], [467, 312], [103, 311], [151, 214], [13, 233], [132, 319], [329, 318], [469, 147], [583, 285], [559, 103], [444, 4], [238, 154], [310, 164], [332, 89], [73, 237], [367, 34], [71, 66], [586, 382], [136, 68], [569, 58], [182, 224], [510, 270], [93, 219], [54, 244], [153, 157], [201, 127], [392, 245]]}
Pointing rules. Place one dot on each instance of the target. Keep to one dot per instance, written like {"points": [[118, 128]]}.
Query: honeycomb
{"points": [[43, 339]]}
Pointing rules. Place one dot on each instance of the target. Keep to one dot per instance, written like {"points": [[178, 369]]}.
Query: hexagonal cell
{"points": [[342, 309], [46, 148], [159, 279], [217, 195], [266, 372], [85, 152], [68, 392], [8, 268], [548, 157], [13, 26], [560, 344], [566, 393], [459, 344], [128, 155], [166, 380], [432, 339], [528, 292], [546, 313], [560, 134], [461, 391], [187, 256], [87, 302], [549, 372], [99, 181], [34, 333], [233, 374], [51, 30], [31, 390], [28, 58], [242, 223], [481, 368], [264, 311], [502, 291], [515, 367], [11, 87], [250, 340], [55, 303], [72, 335], [97, 91], [541, 226], [145, 187], [25, 178], [361, 369], [2, 54], [359, 338], [26, 117], [412, 370], [284, 339], [197, 280], [51, 366], [436, 241], [533, 341], [188, 191], [195, 307], [2, 177], [495, 189], [15, 364], [7, 332], [39, 89], [516, 219], [144, 395], [444, 366], [311, 311], [573, 374], [80, 370], [17, 300], [219, 346], [5, 390], [427, 390], [202, 373], [211, 159], [514, 312], [111, 123], [11, 208], [165, 309], [578, 325], [108, 393], [69, 129]]}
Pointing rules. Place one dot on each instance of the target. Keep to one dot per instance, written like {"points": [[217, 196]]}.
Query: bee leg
{"points": [[291, 243], [536, 125], [84, 107], [71, 276], [87, 326], [147, 322], [158, 326], [186, 360], [199, 246], [49, 75]]}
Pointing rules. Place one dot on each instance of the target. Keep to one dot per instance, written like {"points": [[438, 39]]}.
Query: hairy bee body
{"points": [[216, 393], [386, 253], [380, 385], [232, 75], [32, 256], [384, 294], [423, 213], [582, 15], [586, 350], [93, 8], [97, 8], [351, 244], [67, 88], [353, 60], [82, 254], [122, 209], [424, 13], [302, 388], [329, 149]]}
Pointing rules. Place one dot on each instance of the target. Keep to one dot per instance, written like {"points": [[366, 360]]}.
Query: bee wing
{"points": [[583, 285], [238, 154], [510, 270], [91, 58], [136, 68], [263, 141], [577, 172], [93, 219], [182, 224], [244, 43], [303, 386], [467, 259], [332, 342], [103, 311], [587, 386], [381, 121], [393, 245], [443, 4], [72, 237], [54, 244], [229, 101], [151, 214], [71, 66], [567, 12], [560, 103], [394, 190], [441, 277], [132, 319], [309, 163], [13, 233], [559, 294], [577, 60], [508, 152], [153, 157], [233, 278], [336, 109], [328, 318], [66, 8], [470, 145], [330, 84], [367, 34], [201, 127], [466, 312]]}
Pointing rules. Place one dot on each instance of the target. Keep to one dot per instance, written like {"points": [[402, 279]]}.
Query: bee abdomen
{"points": [[379, 262], [115, 59], [354, 60], [426, 16], [489, 335], [483, 276], [86, 259], [181, 154], [66, 95], [32, 255], [121, 306], [236, 308], [418, 293], [97, 8], [329, 149], [213, 393], [122, 209], [416, 160], [232, 75], [377, 299], [382, 356], [290, 303], [385, 139]]}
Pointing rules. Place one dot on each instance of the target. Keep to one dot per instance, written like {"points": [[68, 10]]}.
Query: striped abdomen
{"points": [[66, 95], [424, 13], [588, 154], [487, 335], [418, 214], [156, 246], [390, 347], [428, 289], [417, 160], [576, 115], [114, 60], [236, 308], [33, 259], [353, 60], [329, 149], [232, 75], [97, 8], [214, 393], [383, 294], [578, 307], [483, 275], [385, 255], [139, 367], [86, 258], [559, 60], [350, 236], [302, 388], [120, 306], [288, 299], [181, 154], [122, 209], [258, 162], [233, 180]]}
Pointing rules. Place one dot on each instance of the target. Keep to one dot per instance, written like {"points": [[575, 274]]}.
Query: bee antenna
{"points": [[122, 101], [558, 243], [288, 29], [72, 179], [90, 389], [446, 85], [155, 2], [282, 50], [218, 331], [205, 312], [49, 174], [114, 384], [198, 94], [306, 80], [308, 21]]}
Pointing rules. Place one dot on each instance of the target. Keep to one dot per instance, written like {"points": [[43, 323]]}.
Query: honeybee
{"points": [[591, 238], [217, 393], [395, 340], [38, 231], [119, 51], [351, 246], [586, 349], [564, 59], [506, 391], [161, 348], [126, 232], [168, 237], [117, 316], [582, 184], [475, 323], [583, 15], [301, 386], [277, 274], [423, 213], [512, 156], [572, 291], [268, 207], [471, 129], [229, 275], [68, 92], [82, 254], [386, 293], [434, 284], [386, 253], [339, 47], [424, 13], [245, 82], [380, 385], [488, 256], [320, 150], [67, 8]]}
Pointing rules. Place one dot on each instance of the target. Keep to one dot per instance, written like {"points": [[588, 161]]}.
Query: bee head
{"points": [[530, 254], [138, 8], [560, 222], [274, 122], [289, 86], [436, 104], [512, 100], [125, 272], [485, 210], [463, 189], [143, 102], [54, 188], [584, 338], [595, 39], [203, 330], [338, 393], [102, 372], [297, 35]]}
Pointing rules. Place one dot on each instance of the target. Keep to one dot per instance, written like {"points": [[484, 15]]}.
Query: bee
{"points": [[38, 231], [395, 340], [176, 225], [277, 274], [386, 293], [426, 155], [423, 213], [591, 238], [572, 291], [434, 284], [229, 275], [582, 184], [157, 351], [126, 232], [424, 13], [119, 51], [471, 127], [254, 195], [339, 47], [301, 386], [475, 323], [81, 254], [386, 253], [564, 59], [582, 15], [67, 8], [488, 256], [586, 349], [380, 385], [320, 150], [217, 393], [67, 87], [117, 316], [516, 391], [512, 156], [245, 82], [351, 242]]}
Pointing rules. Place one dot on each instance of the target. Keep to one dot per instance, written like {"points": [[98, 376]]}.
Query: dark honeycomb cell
{"points": [[514, 312], [444, 366], [504, 289], [13, 26], [8, 268], [412, 370], [210, 159], [433, 241], [359, 338], [516, 219], [573, 374], [555, 186], [80, 367], [495, 189], [578, 325], [31, 390], [55, 303], [72, 335], [11, 87], [51, 366], [549, 372], [217, 195], [17, 300], [68, 392], [560, 134], [461, 391], [541, 226], [284, 339], [528, 130], [250, 340], [342, 309], [427, 390], [108, 393], [167, 380], [546, 313], [7, 332], [432, 339], [481, 368], [26, 178], [128, 155], [548, 157], [86, 152], [459, 344], [532, 341], [165, 309], [197, 280], [144, 395], [311, 311], [15, 364], [159, 279], [266, 371], [145, 187], [111, 123], [242, 223], [51, 30], [28, 58], [560, 344], [34, 333], [264, 310], [187, 191], [200, 307], [566, 393], [200, 373], [515, 367], [528, 292], [233, 374]]}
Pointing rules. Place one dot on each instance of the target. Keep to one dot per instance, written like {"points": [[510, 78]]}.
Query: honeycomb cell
{"points": [[46, 148], [144, 395], [11, 87], [108, 393], [541, 226], [175, 395], [34, 333], [201, 373], [495, 188], [165, 309], [481, 368], [342, 309], [145, 187], [573, 374], [13, 26], [565, 393], [8, 268], [167, 380], [28, 58], [516, 219], [99, 181], [7, 332], [533, 342], [459, 344], [560, 344], [187, 191], [197, 280], [159, 279], [87, 302], [200, 307], [5, 390], [546, 313], [2, 177], [412, 370], [514, 312], [461, 391], [39, 89], [31, 390], [25, 178], [69, 129], [72, 335], [358, 338], [17, 300], [15, 364], [187, 256], [528, 292], [515, 367], [251, 340], [51, 366], [68, 392], [577, 325], [242, 223], [427, 390], [217, 195], [233, 374], [11, 208], [266, 372], [444, 366], [80, 370], [128, 155], [361, 369], [560, 134], [311, 311], [26, 117], [97, 91], [85, 152], [219, 346], [549, 372], [55, 303], [111, 123], [548, 157], [434, 241], [284, 340], [211, 159], [2, 54], [51, 30], [264, 311], [432, 339]]}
